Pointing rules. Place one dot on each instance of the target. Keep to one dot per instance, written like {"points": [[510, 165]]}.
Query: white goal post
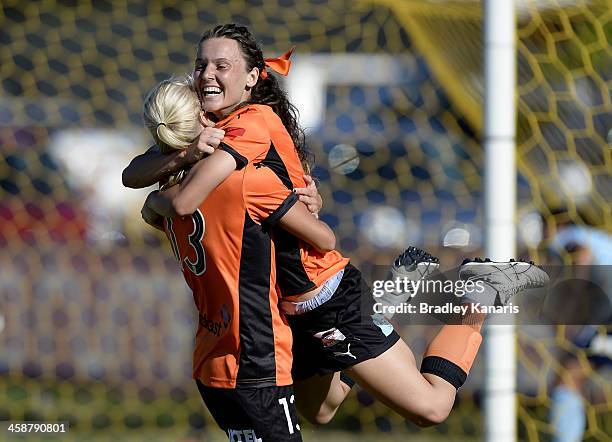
{"points": [[500, 413]]}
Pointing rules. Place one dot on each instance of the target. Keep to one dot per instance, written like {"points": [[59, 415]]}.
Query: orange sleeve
{"points": [[247, 137], [267, 198]]}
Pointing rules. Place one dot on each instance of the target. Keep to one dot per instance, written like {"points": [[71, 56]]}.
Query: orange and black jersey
{"points": [[257, 134], [228, 261]]}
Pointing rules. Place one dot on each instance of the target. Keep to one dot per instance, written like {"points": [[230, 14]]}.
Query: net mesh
{"points": [[97, 323]]}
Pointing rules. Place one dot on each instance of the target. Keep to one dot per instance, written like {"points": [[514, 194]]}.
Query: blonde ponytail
{"points": [[171, 113]]}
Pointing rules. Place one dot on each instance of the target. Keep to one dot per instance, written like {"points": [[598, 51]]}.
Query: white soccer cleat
{"points": [[502, 280], [412, 265]]}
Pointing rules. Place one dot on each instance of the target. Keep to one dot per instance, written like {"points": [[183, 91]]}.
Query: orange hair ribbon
{"points": [[280, 65]]}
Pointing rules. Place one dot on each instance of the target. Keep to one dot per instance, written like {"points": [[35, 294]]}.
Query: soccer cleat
{"points": [[503, 279], [412, 265]]}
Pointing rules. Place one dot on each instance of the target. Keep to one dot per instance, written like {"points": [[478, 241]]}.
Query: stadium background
{"points": [[96, 322]]}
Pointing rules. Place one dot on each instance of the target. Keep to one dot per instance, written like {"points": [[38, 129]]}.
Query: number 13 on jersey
{"points": [[197, 266]]}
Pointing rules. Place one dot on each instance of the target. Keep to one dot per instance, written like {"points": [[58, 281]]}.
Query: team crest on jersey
{"points": [[242, 436], [330, 337]]}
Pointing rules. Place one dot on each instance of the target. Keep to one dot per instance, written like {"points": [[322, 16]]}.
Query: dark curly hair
{"points": [[266, 91]]}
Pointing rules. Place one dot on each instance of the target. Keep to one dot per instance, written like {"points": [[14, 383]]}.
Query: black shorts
{"points": [[341, 332], [264, 414]]}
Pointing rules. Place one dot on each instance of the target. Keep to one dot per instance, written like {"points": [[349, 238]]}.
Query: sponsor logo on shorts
{"points": [[330, 337], [346, 353], [242, 436]]}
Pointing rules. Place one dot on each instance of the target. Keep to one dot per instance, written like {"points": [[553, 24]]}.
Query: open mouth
{"points": [[211, 91]]}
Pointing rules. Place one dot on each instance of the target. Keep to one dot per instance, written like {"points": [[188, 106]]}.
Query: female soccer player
{"points": [[242, 356], [325, 311]]}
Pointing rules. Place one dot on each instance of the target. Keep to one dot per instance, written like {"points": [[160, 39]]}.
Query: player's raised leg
{"points": [[426, 396]]}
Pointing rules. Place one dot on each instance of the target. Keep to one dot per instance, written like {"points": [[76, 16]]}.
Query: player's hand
{"points": [[208, 141], [310, 196], [151, 217], [210, 138]]}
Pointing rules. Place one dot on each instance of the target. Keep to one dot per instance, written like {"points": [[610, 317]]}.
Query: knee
{"points": [[434, 415], [431, 419]]}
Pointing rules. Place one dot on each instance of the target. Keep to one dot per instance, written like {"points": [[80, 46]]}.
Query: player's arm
{"points": [[270, 202], [152, 166], [300, 223], [184, 198]]}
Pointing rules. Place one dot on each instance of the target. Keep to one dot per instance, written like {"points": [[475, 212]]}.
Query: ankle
{"points": [[474, 320]]}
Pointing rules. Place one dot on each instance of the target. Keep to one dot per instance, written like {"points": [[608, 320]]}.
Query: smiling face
{"points": [[221, 76]]}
